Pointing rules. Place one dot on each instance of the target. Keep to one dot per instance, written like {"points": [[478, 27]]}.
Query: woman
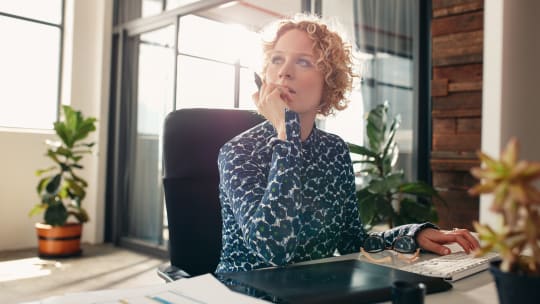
{"points": [[287, 188]]}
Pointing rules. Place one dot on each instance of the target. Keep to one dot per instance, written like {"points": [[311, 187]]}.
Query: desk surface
{"points": [[475, 289]]}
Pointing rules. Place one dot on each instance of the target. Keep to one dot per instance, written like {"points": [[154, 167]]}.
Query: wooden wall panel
{"points": [[460, 48], [444, 125], [443, 8], [469, 125], [457, 101], [458, 210], [455, 180], [456, 142], [439, 87], [457, 23], [459, 73], [456, 86]]}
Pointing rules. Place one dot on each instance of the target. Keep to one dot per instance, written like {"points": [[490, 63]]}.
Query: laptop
{"points": [[349, 281]]}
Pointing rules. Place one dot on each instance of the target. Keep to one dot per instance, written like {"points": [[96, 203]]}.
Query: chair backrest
{"points": [[191, 142]]}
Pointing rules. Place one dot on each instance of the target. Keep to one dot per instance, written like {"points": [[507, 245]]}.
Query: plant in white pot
{"points": [[517, 200], [61, 190]]}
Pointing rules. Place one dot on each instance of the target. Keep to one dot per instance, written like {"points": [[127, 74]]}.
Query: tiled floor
{"points": [[24, 277]]}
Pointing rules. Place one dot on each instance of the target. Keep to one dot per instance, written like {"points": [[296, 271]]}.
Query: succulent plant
{"points": [[517, 200]]}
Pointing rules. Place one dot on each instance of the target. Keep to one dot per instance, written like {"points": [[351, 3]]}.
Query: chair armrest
{"points": [[171, 273]]}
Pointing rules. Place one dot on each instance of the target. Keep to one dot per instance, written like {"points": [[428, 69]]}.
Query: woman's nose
{"points": [[285, 71]]}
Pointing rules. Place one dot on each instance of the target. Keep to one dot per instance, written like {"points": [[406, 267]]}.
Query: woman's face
{"points": [[292, 66]]}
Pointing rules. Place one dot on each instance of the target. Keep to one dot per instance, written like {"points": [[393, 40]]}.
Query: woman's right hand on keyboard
{"points": [[433, 240]]}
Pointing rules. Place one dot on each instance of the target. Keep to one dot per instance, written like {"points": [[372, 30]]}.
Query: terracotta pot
{"points": [[515, 287], [59, 241]]}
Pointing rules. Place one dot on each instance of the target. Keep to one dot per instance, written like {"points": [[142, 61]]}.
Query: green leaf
{"points": [[368, 172], [390, 143], [80, 214], [389, 183], [61, 131], [367, 206], [65, 167], [74, 126], [418, 188], [415, 211], [64, 152], [56, 214], [75, 189], [41, 184], [361, 150], [54, 184], [80, 152], [38, 208], [89, 145], [79, 179], [64, 191], [389, 161], [52, 154], [385, 211], [41, 171], [371, 162], [48, 198], [376, 126]]}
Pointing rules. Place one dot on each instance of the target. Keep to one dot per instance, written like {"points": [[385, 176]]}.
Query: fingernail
{"points": [[446, 251]]}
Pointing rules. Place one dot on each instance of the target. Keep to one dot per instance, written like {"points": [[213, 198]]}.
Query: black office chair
{"points": [[191, 142]]}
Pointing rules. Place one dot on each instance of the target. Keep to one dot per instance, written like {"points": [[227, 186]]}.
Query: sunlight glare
{"points": [[26, 268]]}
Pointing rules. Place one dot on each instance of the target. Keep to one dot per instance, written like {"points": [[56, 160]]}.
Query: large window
{"points": [[387, 37], [30, 61], [207, 66]]}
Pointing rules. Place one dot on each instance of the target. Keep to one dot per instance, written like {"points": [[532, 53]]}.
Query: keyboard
{"points": [[452, 267]]}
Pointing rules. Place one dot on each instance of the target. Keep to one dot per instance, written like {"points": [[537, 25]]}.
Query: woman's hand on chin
{"points": [[271, 104]]}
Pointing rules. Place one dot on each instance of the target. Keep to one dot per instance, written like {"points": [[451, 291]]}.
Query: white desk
{"points": [[476, 289]]}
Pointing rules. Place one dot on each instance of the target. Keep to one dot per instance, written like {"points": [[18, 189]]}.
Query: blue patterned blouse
{"points": [[289, 201]]}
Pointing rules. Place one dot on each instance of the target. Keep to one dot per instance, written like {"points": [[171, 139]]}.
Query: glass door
{"points": [[153, 53]]}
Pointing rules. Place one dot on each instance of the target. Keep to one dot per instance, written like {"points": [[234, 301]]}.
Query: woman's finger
{"points": [[464, 243], [474, 244], [432, 246]]}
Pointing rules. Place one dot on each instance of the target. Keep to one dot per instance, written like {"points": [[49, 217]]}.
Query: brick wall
{"points": [[456, 89]]}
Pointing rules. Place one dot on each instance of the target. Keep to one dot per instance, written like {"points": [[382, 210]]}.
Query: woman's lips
{"points": [[290, 90], [286, 96], [286, 93]]}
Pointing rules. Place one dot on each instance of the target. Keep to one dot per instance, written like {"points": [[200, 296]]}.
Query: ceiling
{"points": [[253, 14]]}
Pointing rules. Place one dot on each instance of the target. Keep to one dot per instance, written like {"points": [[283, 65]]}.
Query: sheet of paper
{"points": [[204, 289]]}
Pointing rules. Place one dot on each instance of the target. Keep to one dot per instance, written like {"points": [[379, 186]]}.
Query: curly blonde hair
{"points": [[334, 59]]}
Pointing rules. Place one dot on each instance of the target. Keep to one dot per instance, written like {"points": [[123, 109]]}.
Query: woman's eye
{"points": [[276, 60], [304, 62]]}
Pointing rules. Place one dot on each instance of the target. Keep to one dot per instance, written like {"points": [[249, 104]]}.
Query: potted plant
{"points": [[386, 198], [517, 200], [61, 190]]}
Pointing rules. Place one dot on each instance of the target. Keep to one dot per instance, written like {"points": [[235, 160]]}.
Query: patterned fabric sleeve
{"points": [[265, 205]]}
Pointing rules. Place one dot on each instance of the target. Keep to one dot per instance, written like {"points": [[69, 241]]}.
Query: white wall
{"points": [[86, 83], [22, 153], [511, 85]]}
